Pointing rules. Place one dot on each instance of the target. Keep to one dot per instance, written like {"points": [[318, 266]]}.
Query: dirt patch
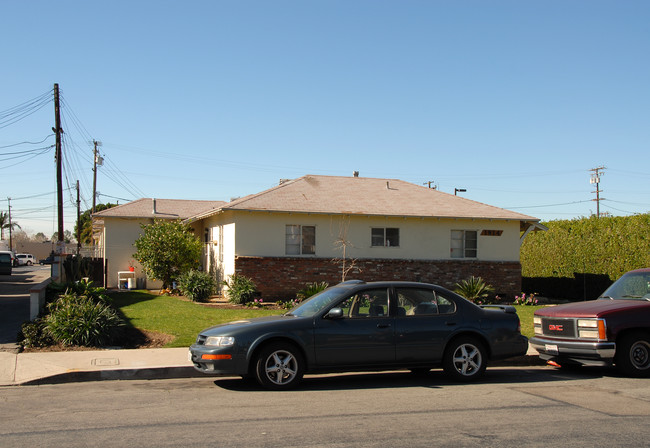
{"points": [[132, 338]]}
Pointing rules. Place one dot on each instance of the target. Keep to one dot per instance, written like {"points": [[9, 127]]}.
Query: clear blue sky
{"points": [[515, 101]]}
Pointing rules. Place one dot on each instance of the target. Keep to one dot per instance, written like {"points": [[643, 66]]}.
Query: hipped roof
{"points": [[365, 196]]}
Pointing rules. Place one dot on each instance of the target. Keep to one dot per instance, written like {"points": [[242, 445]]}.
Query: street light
{"points": [[459, 190]]}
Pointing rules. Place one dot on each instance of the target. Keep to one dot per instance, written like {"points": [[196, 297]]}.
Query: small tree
{"points": [[342, 243], [167, 249]]}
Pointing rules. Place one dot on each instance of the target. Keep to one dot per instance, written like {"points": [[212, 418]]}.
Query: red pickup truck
{"points": [[612, 330]]}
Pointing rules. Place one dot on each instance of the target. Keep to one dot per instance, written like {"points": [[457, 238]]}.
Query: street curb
{"points": [[149, 373], [161, 373]]}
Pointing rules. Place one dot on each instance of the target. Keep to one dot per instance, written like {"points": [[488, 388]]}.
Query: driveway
{"points": [[14, 298]]}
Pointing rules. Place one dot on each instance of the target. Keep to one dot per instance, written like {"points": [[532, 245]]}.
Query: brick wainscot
{"points": [[279, 278]]}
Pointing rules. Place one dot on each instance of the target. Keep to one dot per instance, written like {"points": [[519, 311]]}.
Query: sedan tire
{"points": [[633, 355], [465, 359], [279, 366]]}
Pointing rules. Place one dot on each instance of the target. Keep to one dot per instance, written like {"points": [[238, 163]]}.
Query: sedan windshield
{"points": [[630, 286], [317, 303]]}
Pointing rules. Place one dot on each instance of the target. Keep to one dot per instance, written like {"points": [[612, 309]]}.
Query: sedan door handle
{"points": [[383, 325], [450, 324]]}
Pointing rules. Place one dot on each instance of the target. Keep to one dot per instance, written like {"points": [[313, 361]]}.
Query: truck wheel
{"points": [[464, 359], [633, 355], [279, 366]]}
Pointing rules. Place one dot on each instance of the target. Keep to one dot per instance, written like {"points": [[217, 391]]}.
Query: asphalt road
{"points": [[511, 407], [14, 298]]}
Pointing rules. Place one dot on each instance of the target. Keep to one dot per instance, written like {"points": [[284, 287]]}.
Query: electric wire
{"points": [[27, 143], [17, 113]]}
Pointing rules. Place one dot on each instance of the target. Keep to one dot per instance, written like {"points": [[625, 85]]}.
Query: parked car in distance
{"points": [[6, 262], [612, 330], [25, 259], [364, 326], [48, 260]]}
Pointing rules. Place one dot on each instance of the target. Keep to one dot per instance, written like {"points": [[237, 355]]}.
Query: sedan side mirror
{"points": [[334, 313]]}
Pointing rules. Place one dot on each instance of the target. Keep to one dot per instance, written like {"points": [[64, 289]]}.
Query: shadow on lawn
{"points": [[130, 336]]}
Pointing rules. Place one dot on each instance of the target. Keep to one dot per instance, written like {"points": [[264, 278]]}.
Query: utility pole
{"points": [[78, 221], [595, 179], [97, 161], [11, 247], [59, 176]]}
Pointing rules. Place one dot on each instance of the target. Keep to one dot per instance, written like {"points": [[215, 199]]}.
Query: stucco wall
{"points": [[119, 238], [263, 234]]}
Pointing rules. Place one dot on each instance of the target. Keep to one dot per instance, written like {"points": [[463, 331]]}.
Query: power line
{"points": [[17, 113], [27, 143]]}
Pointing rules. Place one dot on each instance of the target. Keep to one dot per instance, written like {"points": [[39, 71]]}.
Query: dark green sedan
{"points": [[364, 326]]}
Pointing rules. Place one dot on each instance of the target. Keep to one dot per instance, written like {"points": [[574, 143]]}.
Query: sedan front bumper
{"points": [[217, 361], [575, 352]]}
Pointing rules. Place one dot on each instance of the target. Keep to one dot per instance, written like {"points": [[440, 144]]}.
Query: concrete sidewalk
{"points": [[95, 365]]}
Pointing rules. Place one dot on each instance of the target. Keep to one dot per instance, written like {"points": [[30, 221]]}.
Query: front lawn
{"points": [[177, 317], [184, 320], [525, 313]]}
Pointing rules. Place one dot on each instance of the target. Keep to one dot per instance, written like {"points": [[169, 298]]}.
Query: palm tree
{"points": [[4, 224]]}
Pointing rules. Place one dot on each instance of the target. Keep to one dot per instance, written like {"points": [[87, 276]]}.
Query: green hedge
{"points": [[579, 258]]}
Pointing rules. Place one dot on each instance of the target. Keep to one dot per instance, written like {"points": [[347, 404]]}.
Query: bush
{"points": [[79, 320], [196, 285], [475, 290], [240, 290], [34, 334]]}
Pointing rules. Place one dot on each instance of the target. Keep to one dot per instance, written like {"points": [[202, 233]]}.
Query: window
{"points": [[300, 240], [464, 243], [368, 303], [385, 237], [422, 302]]}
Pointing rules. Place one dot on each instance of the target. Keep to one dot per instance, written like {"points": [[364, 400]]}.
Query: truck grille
{"points": [[565, 328]]}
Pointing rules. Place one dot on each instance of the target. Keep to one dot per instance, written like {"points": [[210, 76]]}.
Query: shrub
{"points": [[288, 304], [310, 290], [86, 288], [475, 290], [240, 290], [196, 285], [79, 320], [34, 334]]}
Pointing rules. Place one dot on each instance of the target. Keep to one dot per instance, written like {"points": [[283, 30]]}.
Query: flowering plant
{"points": [[255, 303], [526, 300]]}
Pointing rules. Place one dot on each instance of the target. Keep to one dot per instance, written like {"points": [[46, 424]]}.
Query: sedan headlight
{"points": [[219, 341]]}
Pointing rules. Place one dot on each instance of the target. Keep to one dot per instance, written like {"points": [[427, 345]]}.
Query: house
{"points": [[116, 229], [322, 228]]}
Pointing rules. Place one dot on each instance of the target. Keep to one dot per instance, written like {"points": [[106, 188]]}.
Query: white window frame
{"points": [[295, 240], [461, 246], [385, 241]]}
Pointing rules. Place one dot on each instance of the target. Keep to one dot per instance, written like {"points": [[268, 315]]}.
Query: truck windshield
{"points": [[633, 285]]}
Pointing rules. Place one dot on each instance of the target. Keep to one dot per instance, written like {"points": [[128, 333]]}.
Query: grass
{"points": [[184, 320], [174, 316], [525, 314]]}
